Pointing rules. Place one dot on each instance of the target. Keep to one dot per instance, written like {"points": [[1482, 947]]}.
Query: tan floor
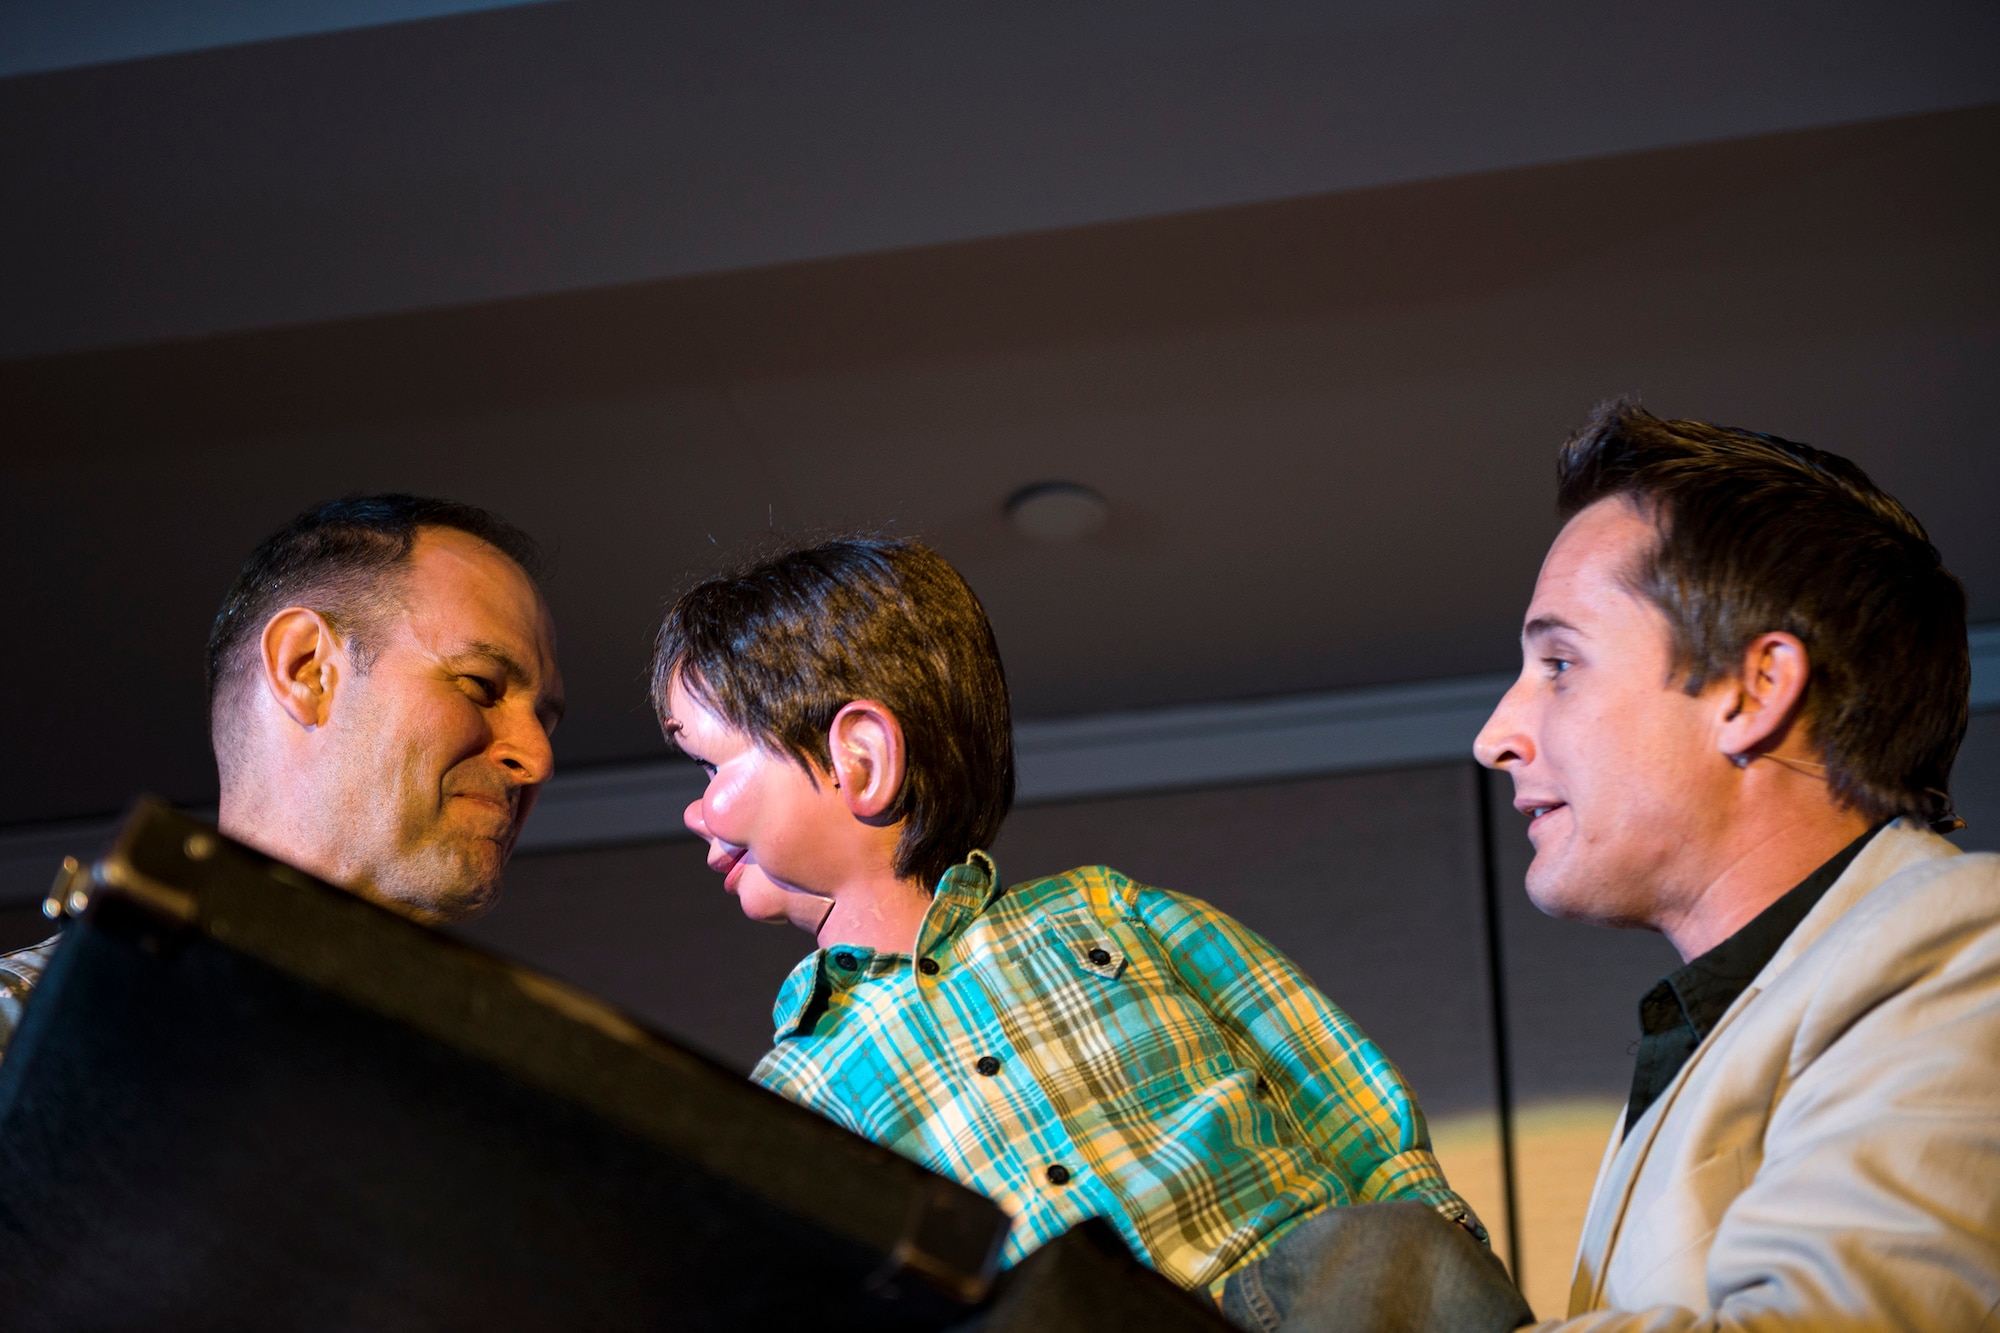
{"points": [[1557, 1147]]}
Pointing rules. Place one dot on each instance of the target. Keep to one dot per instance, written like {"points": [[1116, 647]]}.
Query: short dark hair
{"points": [[778, 648], [1761, 534], [336, 558]]}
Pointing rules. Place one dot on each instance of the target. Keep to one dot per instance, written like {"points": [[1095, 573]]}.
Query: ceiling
{"points": [[37, 36], [1321, 389], [555, 147]]}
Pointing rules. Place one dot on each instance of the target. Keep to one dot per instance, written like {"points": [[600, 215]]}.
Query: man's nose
{"points": [[692, 817], [1504, 742], [524, 749]]}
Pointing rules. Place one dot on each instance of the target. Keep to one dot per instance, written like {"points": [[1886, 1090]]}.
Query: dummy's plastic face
{"points": [[769, 823], [1618, 769]]}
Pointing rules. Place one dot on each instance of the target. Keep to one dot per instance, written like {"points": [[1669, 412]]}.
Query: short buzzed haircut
{"points": [[338, 559], [778, 648], [1760, 534]]}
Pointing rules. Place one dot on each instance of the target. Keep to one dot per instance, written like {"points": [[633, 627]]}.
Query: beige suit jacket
{"points": [[1829, 1158]]}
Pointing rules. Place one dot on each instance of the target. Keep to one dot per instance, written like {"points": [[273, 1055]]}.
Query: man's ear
{"points": [[866, 742], [1764, 702], [302, 664]]}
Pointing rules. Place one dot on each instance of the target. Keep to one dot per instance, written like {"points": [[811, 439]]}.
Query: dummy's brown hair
{"points": [[778, 648]]}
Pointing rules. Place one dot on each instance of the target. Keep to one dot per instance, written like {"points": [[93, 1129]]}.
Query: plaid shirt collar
{"points": [[966, 890]]}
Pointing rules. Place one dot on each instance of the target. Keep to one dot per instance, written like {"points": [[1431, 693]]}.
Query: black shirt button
{"points": [[927, 966], [1099, 957], [846, 962], [987, 1065], [1058, 1174]]}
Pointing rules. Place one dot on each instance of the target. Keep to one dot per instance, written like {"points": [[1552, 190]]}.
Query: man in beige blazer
{"points": [[1745, 681]]}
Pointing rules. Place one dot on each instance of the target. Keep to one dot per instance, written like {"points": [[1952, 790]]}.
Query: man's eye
{"points": [[483, 689], [1556, 666]]}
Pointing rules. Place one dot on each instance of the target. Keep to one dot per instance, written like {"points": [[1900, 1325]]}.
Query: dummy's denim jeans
{"points": [[1375, 1268]]}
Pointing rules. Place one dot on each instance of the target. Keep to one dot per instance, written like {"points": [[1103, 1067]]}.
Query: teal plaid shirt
{"points": [[1085, 1046]]}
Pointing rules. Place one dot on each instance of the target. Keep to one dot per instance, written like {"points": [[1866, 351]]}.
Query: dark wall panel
{"points": [[648, 928], [1572, 989], [1368, 881], [1371, 882], [1975, 785]]}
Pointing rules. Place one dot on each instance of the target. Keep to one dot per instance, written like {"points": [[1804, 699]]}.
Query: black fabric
{"points": [[242, 1100], [1678, 1013]]}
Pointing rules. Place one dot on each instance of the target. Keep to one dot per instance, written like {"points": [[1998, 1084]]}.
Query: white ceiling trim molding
{"points": [[1110, 754]]}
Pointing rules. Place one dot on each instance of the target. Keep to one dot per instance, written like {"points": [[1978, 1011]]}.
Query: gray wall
{"points": [[1369, 881]]}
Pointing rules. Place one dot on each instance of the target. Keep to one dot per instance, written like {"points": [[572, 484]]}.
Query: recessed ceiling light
{"points": [[1057, 511]]}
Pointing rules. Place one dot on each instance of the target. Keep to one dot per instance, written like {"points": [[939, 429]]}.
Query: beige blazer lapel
{"points": [[1901, 844], [1593, 1243], [1612, 1195]]}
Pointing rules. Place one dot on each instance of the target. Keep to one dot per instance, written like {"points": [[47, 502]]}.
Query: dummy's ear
{"points": [[302, 664], [1765, 701], [866, 742]]}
